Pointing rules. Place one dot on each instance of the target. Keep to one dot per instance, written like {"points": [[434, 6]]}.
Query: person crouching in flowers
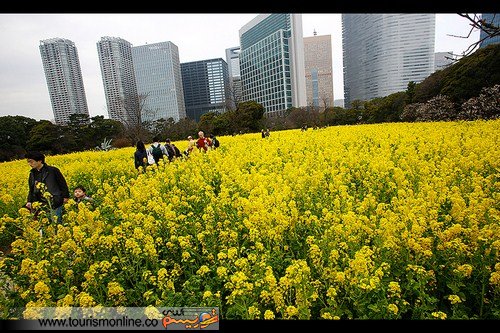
{"points": [[80, 195], [46, 184]]}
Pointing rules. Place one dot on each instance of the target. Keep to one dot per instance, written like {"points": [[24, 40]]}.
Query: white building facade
{"points": [[64, 78], [120, 89], [382, 53]]}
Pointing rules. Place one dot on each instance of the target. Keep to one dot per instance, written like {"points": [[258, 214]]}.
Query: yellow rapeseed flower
{"points": [[454, 299], [439, 315], [269, 315], [393, 308]]}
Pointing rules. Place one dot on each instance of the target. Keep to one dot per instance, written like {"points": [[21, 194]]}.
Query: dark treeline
{"points": [[467, 90]]}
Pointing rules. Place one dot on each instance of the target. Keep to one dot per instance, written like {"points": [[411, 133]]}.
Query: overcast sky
{"points": [[23, 88]]}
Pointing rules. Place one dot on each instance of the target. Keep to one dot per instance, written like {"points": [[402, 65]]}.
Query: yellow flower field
{"points": [[348, 222]]}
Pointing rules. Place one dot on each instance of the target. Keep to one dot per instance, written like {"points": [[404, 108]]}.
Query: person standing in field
{"points": [[215, 141], [47, 185], [191, 145], [140, 156], [157, 150]]}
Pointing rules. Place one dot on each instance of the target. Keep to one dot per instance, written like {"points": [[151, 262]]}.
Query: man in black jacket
{"points": [[46, 178]]}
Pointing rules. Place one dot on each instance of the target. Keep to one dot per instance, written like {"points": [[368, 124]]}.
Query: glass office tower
{"points": [[159, 84], [493, 19], [206, 87], [272, 62]]}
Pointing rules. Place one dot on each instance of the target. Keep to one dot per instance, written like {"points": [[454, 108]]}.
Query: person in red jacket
{"points": [[203, 142]]}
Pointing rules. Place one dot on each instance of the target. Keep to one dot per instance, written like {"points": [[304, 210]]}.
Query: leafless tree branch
{"points": [[477, 23]]}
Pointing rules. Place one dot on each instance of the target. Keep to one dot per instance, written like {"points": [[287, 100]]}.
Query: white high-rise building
{"points": [[383, 52], [233, 65], [64, 78], [117, 69], [159, 82], [272, 62]]}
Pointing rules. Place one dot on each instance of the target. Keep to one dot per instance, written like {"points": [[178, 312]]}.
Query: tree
{"points": [[78, 119], [45, 137], [299, 117], [181, 129], [77, 131], [132, 118], [385, 109], [464, 79], [234, 93], [101, 128], [341, 116], [485, 106], [248, 116], [410, 91], [430, 87], [206, 123], [411, 112], [162, 127], [326, 102], [14, 133], [489, 29], [357, 104], [439, 108]]}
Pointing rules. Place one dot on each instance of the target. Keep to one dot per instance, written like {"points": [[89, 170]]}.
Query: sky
{"points": [[23, 87]]}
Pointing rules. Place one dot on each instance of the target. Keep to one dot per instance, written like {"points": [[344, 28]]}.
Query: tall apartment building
{"points": [[118, 77], [383, 52], [233, 65], [318, 69], [272, 62], [206, 87], [493, 19], [64, 78], [159, 83]]}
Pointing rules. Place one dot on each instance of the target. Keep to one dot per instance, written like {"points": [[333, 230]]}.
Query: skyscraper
{"points": [[64, 78], [206, 87], [493, 19], [383, 52], [117, 69], [159, 83], [233, 65], [272, 62], [318, 69]]}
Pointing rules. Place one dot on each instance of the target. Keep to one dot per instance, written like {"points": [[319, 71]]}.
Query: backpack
{"points": [[215, 142], [177, 152], [170, 150], [157, 153]]}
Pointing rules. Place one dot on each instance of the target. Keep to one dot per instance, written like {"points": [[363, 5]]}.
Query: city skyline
{"points": [[23, 87]]}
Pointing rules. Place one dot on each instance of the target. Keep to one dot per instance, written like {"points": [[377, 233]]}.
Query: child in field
{"points": [[80, 194]]}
